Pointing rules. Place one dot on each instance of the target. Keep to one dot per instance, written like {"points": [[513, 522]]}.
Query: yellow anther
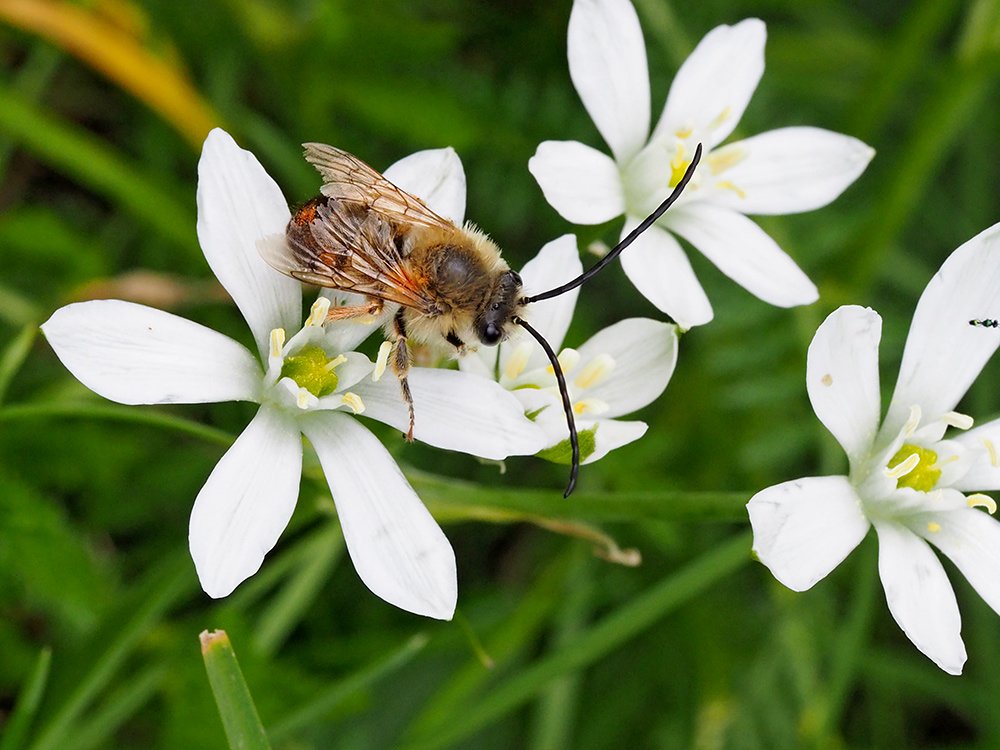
{"points": [[684, 133], [956, 420], [991, 451], [381, 360], [979, 500], [720, 118], [933, 526], [568, 360], [318, 311], [729, 185], [722, 159], [354, 402], [595, 371], [277, 340], [678, 166], [590, 406], [516, 361]]}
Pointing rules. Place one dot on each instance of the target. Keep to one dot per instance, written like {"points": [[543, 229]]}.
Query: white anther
{"points": [[904, 467], [979, 500], [277, 341], [353, 401], [913, 422], [991, 451], [318, 312], [956, 420], [334, 363]]}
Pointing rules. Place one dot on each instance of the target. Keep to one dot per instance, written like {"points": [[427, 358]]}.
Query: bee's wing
{"points": [[348, 178], [353, 250]]}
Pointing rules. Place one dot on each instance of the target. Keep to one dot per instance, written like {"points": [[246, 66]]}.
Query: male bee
{"points": [[447, 284]]}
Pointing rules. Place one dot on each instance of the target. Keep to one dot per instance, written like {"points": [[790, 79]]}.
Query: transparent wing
{"points": [[348, 178]]}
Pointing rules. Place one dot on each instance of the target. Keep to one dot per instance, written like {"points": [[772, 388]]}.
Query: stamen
{"points": [[684, 133], [956, 420], [595, 371], [720, 118], [318, 312], [590, 406], [568, 360], [903, 467], [979, 500], [933, 526], [729, 185], [678, 165], [381, 360], [353, 401], [304, 399], [991, 450], [724, 158], [913, 422], [915, 467], [335, 362], [277, 342], [517, 361]]}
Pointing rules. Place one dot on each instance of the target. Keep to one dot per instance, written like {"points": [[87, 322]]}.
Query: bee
{"points": [[442, 284]]}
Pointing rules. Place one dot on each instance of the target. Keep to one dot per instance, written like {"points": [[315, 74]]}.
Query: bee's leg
{"points": [[456, 342], [373, 307], [401, 365]]}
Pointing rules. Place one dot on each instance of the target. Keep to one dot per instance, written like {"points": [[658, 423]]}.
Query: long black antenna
{"points": [[617, 250], [574, 441]]}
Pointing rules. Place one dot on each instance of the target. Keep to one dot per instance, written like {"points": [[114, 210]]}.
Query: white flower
{"points": [[907, 478], [779, 172], [134, 354], [618, 370]]}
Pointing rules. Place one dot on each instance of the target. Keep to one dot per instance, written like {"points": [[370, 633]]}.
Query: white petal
{"points": [[661, 272], [645, 353], [943, 353], [246, 502], [607, 62], [842, 377], [397, 548], [714, 85], [455, 410], [555, 264], [610, 434], [920, 596], [135, 354], [983, 453], [789, 170], [971, 539], [435, 175], [744, 252], [578, 181], [239, 206], [803, 529]]}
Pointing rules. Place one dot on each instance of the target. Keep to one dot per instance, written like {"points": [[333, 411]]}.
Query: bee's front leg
{"points": [[456, 342], [401, 365]]}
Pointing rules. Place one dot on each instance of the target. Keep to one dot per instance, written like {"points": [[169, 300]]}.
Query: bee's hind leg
{"points": [[372, 307], [401, 366]]}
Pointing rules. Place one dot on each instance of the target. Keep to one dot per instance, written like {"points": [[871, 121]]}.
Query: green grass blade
{"points": [[16, 728], [236, 707], [610, 633], [346, 688], [79, 155], [13, 356]]}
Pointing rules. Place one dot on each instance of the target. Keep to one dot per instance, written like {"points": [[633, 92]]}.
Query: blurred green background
{"points": [[103, 106]]}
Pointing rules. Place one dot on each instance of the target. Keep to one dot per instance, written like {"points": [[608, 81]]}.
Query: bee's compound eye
{"points": [[491, 334]]}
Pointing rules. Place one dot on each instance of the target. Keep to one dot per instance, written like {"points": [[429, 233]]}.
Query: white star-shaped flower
{"points": [[305, 379], [779, 172], [617, 371], [908, 478]]}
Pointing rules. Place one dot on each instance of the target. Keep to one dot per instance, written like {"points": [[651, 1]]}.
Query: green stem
{"points": [[14, 355], [16, 727]]}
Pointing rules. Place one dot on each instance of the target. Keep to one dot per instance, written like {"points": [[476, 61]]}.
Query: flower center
{"points": [[313, 370], [915, 467], [678, 164]]}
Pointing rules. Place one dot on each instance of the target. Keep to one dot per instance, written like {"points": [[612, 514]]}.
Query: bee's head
{"points": [[500, 310]]}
